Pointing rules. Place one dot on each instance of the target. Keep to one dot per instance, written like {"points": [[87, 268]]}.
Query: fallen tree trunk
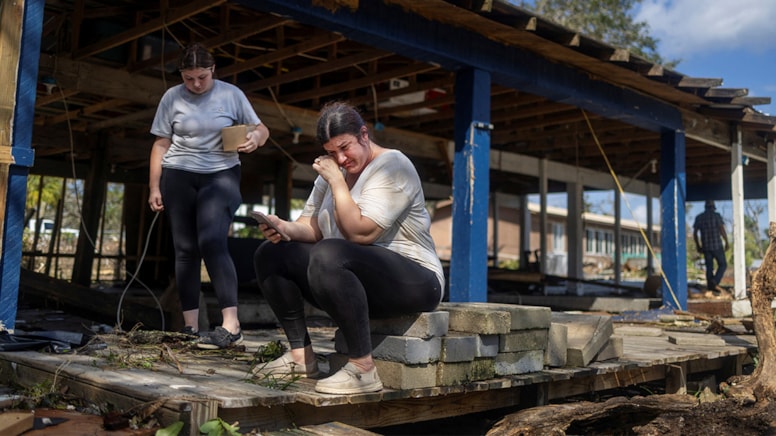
{"points": [[761, 384], [591, 418]]}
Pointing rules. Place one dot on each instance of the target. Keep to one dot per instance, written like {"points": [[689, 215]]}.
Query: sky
{"points": [[733, 40]]}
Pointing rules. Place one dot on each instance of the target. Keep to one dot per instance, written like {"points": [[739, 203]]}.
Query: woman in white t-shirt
{"points": [[361, 248], [197, 183]]}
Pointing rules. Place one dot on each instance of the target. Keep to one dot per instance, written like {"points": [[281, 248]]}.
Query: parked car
{"points": [[47, 227]]}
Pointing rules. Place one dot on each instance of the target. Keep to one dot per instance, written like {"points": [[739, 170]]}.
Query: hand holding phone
{"points": [[261, 218]]}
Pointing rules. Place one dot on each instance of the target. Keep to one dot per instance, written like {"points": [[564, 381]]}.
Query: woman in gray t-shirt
{"points": [[361, 248], [197, 184]]}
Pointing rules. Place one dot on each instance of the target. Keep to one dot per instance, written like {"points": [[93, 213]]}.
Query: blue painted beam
{"points": [[471, 180], [391, 28], [21, 141], [673, 232]]}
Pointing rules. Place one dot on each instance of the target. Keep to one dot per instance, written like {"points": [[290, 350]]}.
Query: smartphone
{"points": [[262, 218]]}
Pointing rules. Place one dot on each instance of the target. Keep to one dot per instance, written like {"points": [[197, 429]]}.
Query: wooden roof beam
{"points": [[698, 82], [88, 110], [725, 93], [150, 26], [303, 73], [408, 70], [444, 83], [231, 35], [316, 42]]}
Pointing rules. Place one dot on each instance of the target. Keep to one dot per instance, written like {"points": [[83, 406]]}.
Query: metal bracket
{"points": [[482, 125]]}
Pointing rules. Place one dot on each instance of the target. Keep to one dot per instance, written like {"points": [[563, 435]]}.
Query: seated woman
{"points": [[361, 249]]}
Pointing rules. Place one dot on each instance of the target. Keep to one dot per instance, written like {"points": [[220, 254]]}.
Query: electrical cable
{"points": [[621, 192], [374, 95], [81, 223], [134, 277]]}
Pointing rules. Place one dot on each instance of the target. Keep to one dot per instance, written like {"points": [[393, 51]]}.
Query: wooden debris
{"points": [[587, 336], [16, 422], [555, 419], [700, 339]]}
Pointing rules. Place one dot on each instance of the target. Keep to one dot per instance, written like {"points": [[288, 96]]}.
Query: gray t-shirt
{"points": [[390, 194], [193, 123]]}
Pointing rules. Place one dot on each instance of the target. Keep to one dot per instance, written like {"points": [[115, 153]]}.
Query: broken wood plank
{"points": [[587, 336], [16, 422], [637, 331], [694, 339]]}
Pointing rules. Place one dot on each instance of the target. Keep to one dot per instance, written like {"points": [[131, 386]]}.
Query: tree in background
{"points": [[756, 242], [609, 21]]}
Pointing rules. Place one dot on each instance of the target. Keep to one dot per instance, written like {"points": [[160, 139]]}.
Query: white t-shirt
{"points": [[388, 192], [193, 122]]}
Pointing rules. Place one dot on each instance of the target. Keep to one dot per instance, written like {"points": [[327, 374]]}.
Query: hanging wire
{"points": [[621, 192], [78, 202]]}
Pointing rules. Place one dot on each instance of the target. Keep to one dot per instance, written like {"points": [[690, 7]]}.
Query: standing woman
{"points": [[361, 249], [198, 184]]}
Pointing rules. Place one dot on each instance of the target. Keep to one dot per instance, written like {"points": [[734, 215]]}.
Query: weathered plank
{"points": [[16, 422], [209, 384], [587, 335]]}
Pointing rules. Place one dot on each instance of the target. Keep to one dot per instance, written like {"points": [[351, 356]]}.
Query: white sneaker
{"points": [[285, 366], [349, 380]]}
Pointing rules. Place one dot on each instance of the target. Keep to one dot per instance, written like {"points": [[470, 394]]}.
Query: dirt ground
{"points": [[720, 418]]}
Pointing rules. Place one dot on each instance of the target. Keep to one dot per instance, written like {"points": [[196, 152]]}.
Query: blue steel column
{"points": [[471, 179], [673, 190], [21, 141]]}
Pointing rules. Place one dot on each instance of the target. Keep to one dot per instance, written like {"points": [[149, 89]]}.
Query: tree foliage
{"points": [[609, 21], [43, 193]]}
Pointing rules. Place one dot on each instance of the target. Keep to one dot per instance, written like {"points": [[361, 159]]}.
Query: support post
{"points": [[495, 218], [617, 237], [676, 378], [95, 188], [576, 231], [525, 233], [737, 190], [650, 231], [771, 171], [19, 56], [673, 187], [471, 168], [543, 215]]}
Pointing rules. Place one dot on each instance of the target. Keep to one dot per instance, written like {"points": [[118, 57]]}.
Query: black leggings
{"points": [[351, 282], [201, 208]]}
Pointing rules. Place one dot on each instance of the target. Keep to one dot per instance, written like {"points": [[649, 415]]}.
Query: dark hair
{"points": [[337, 118], [195, 56]]}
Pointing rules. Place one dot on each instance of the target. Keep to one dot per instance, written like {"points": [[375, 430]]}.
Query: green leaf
{"points": [[217, 427], [171, 430]]}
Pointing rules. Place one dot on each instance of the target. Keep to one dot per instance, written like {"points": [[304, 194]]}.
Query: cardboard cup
{"points": [[233, 136]]}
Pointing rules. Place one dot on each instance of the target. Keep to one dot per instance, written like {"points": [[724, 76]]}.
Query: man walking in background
{"points": [[709, 235]]}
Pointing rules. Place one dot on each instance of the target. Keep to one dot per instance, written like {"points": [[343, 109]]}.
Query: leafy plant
{"points": [[265, 354], [173, 429], [269, 352], [218, 427]]}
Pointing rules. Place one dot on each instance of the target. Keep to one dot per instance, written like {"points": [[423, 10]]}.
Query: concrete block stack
{"points": [[407, 349], [458, 343], [522, 332]]}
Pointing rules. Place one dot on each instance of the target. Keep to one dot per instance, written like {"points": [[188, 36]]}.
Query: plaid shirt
{"points": [[709, 223]]}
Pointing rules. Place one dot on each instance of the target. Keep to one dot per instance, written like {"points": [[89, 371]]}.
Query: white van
{"points": [[47, 226]]}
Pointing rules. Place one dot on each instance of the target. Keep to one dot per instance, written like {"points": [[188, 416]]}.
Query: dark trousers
{"points": [[350, 282], [714, 278], [201, 208]]}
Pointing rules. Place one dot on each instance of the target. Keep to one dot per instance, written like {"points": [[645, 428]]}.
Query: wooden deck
{"points": [[196, 386]]}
